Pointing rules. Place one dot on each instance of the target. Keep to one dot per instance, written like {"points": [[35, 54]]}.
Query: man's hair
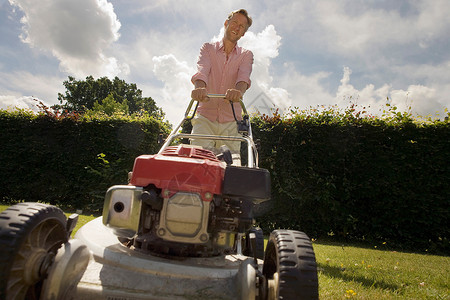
{"points": [[242, 12]]}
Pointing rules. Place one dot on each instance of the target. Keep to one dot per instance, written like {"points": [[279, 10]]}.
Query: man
{"points": [[223, 68]]}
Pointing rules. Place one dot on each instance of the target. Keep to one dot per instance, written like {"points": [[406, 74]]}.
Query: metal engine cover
{"points": [[122, 209], [182, 168], [188, 177], [184, 218]]}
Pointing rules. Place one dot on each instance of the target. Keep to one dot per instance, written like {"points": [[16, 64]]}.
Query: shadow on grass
{"points": [[338, 273]]}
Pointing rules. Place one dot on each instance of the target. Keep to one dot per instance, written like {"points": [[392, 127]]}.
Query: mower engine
{"points": [[184, 201]]}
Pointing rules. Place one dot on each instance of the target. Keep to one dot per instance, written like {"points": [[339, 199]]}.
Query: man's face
{"points": [[236, 27]]}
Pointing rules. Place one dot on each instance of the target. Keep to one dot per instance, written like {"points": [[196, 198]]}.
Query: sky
{"points": [[306, 53]]}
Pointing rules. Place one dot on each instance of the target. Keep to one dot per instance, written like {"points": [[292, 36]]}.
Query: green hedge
{"points": [[364, 178], [343, 174], [67, 160]]}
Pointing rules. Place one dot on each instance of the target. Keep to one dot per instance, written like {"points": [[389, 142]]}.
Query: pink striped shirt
{"points": [[221, 74]]}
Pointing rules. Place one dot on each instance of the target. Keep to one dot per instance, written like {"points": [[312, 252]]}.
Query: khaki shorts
{"points": [[201, 125]]}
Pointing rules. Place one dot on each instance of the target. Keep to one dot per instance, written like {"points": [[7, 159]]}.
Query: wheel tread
{"points": [[293, 256], [16, 223]]}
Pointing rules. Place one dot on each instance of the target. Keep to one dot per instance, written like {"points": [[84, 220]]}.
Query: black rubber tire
{"points": [[30, 235], [259, 243], [290, 254]]}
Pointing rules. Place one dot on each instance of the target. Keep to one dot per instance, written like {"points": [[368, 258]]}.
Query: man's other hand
{"points": [[233, 95]]}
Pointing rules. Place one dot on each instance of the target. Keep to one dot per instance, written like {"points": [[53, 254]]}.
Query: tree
{"points": [[110, 107], [81, 95]]}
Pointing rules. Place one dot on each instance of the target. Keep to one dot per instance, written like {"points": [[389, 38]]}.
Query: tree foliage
{"points": [[89, 94], [109, 106]]}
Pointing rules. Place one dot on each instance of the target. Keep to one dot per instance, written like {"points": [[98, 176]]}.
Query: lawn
{"points": [[375, 272], [362, 273]]}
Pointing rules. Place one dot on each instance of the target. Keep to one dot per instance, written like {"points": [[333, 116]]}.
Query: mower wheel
{"points": [[30, 235], [247, 251], [290, 266]]}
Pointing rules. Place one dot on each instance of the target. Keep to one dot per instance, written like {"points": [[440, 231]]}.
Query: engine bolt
{"points": [[204, 237]]}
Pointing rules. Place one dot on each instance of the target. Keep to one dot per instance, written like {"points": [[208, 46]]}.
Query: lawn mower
{"points": [[182, 228]]}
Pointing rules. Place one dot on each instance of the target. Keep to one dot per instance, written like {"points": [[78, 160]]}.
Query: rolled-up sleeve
{"points": [[245, 68], [203, 65]]}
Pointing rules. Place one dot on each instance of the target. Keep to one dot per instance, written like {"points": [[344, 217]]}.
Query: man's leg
{"points": [[230, 129], [201, 125]]}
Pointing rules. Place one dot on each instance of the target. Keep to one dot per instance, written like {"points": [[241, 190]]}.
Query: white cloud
{"points": [[148, 43], [305, 90], [21, 83], [176, 76], [78, 33], [11, 102], [368, 97], [350, 27], [417, 99], [421, 100], [16, 87], [430, 73], [264, 46], [204, 12], [396, 49]]}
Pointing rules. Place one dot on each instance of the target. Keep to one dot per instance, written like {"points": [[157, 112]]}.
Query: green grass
{"points": [[355, 272], [361, 273]]}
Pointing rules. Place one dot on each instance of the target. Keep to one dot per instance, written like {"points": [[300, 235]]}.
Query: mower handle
{"points": [[188, 115], [223, 96]]}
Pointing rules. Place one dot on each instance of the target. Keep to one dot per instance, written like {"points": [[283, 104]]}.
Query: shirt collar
{"points": [[222, 47]]}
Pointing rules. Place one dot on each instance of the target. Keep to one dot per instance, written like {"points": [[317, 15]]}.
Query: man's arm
{"points": [[243, 79], [242, 86], [200, 79]]}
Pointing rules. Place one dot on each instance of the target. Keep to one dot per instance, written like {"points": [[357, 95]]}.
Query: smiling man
{"points": [[222, 68]]}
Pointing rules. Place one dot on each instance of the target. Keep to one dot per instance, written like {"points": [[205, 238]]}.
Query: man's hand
{"points": [[200, 94], [233, 95]]}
